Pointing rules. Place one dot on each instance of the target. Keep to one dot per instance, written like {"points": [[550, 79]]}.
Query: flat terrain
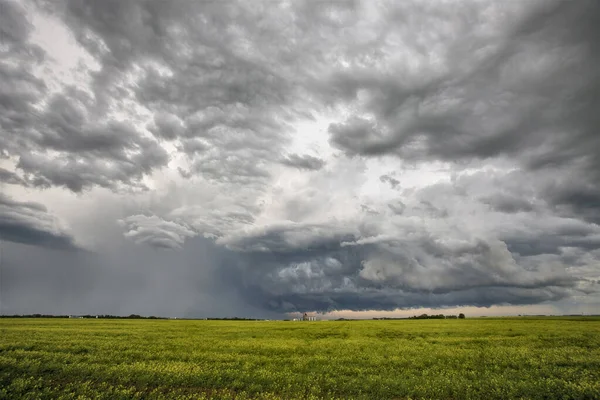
{"points": [[485, 358]]}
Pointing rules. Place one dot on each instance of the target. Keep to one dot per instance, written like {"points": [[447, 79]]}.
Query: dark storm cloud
{"points": [[297, 268], [65, 140], [523, 82], [19, 88], [366, 300], [306, 162], [479, 87], [30, 223], [576, 197], [554, 239], [219, 96], [89, 153], [529, 93], [523, 258], [508, 204]]}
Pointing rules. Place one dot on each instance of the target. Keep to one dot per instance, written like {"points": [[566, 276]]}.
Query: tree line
{"points": [[426, 316], [106, 316]]}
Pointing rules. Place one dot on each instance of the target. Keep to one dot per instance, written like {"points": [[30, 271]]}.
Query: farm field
{"points": [[538, 358]]}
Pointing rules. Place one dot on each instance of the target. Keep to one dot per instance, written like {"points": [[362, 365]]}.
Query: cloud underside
{"points": [[458, 164], [156, 232], [30, 223], [300, 267]]}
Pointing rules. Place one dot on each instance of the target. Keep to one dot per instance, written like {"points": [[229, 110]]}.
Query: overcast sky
{"points": [[224, 158]]}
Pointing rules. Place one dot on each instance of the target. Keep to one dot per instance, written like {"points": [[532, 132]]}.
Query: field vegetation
{"points": [[484, 358]]}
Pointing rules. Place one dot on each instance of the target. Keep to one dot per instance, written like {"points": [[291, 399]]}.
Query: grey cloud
{"points": [[15, 29], [167, 126], [532, 220], [193, 146], [508, 204], [454, 267], [63, 139], [30, 223], [554, 238], [391, 180], [512, 95], [306, 162], [90, 153], [397, 207], [10, 177], [440, 112], [487, 85], [240, 168], [302, 268], [427, 251], [14, 25], [156, 232], [80, 172], [575, 196], [286, 238], [430, 209], [215, 90], [359, 136], [368, 210], [88, 150], [19, 88], [394, 299]]}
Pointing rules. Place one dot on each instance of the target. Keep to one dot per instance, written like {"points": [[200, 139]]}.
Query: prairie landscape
{"points": [[500, 358], [265, 159]]}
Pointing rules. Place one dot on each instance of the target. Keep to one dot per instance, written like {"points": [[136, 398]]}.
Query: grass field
{"points": [[540, 358]]}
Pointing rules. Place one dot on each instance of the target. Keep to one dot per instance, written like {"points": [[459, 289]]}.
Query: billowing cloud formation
{"points": [[345, 155], [155, 231], [65, 138], [429, 254], [30, 223]]}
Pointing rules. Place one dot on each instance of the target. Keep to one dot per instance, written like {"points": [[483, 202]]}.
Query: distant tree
{"points": [[461, 316]]}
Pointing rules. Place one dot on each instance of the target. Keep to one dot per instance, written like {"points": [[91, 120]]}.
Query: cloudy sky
{"points": [[221, 158]]}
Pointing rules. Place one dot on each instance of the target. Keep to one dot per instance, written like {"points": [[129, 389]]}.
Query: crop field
{"points": [[538, 358]]}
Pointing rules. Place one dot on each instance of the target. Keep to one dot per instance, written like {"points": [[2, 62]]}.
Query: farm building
{"points": [[307, 317]]}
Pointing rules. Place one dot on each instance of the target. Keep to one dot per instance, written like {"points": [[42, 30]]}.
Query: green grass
{"points": [[538, 358]]}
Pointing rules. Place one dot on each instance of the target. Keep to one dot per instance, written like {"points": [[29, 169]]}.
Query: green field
{"points": [[441, 359]]}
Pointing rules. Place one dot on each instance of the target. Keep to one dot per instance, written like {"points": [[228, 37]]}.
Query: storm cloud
{"points": [[304, 156], [155, 232], [30, 223]]}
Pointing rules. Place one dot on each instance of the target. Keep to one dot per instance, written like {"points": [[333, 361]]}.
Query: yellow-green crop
{"points": [[517, 358]]}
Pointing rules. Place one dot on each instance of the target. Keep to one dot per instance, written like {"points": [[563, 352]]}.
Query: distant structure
{"points": [[307, 317]]}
